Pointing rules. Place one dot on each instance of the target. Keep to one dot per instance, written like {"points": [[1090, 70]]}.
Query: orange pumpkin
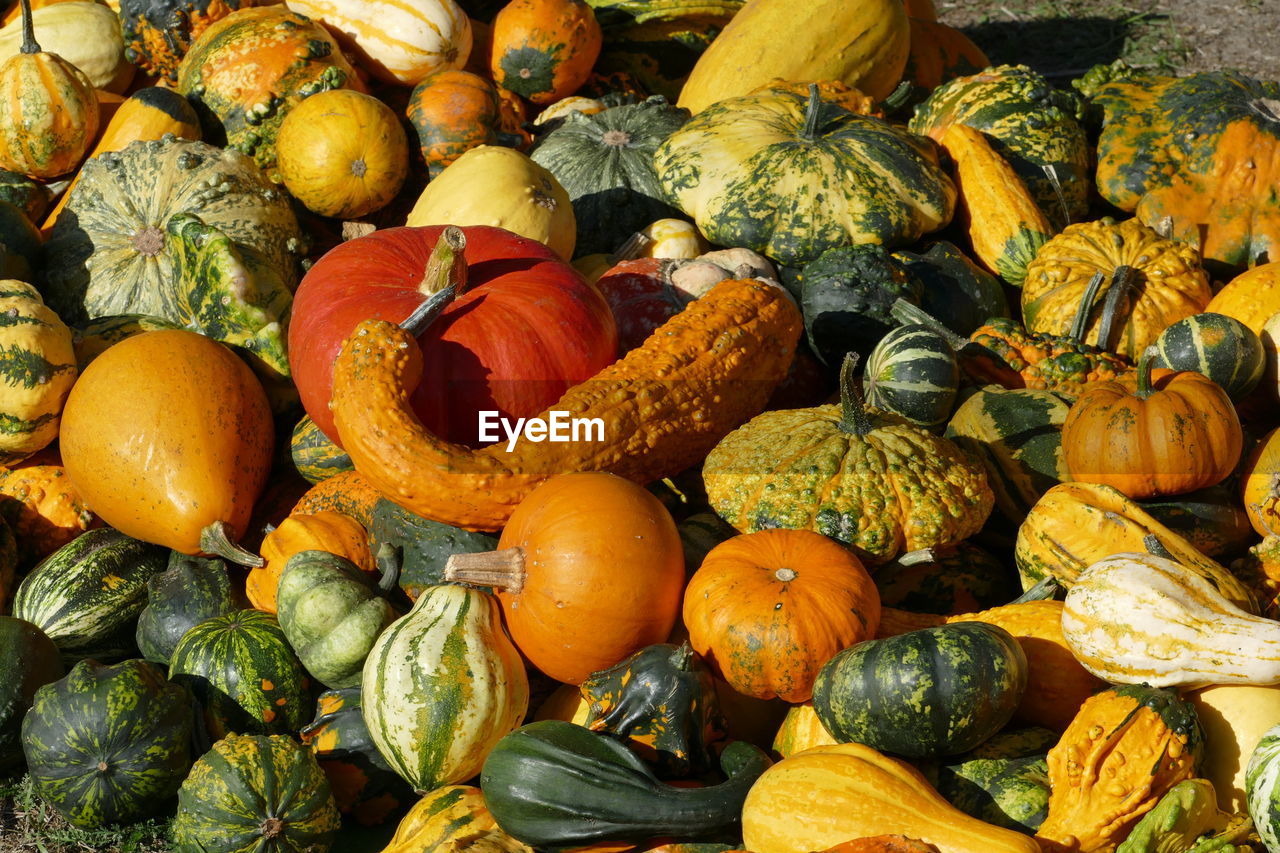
{"points": [[453, 112], [543, 50], [342, 153], [589, 570], [768, 609], [940, 53], [168, 436], [1251, 297], [38, 500], [348, 493], [1169, 437], [324, 531]]}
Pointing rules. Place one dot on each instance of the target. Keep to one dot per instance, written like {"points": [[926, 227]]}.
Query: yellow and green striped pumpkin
{"points": [[449, 816], [1262, 785], [314, 455], [38, 368], [913, 373], [1218, 346]]}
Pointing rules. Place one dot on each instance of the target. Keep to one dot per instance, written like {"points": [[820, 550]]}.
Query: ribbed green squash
{"points": [[87, 595], [28, 661], [314, 455], [189, 591], [365, 787], [1262, 787], [442, 685], [256, 794], [699, 533], [425, 545], [1032, 125], [331, 613], [1008, 792], [241, 669], [932, 692], [605, 163], [791, 177], [109, 744], [93, 338], [553, 784], [961, 294], [1212, 519], [27, 194], [962, 578], [1017, 436], [1218, 346], [913, 373]]}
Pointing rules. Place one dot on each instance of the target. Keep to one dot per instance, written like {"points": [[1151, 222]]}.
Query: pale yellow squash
{"points": [[1234, 717], [85, 34]]}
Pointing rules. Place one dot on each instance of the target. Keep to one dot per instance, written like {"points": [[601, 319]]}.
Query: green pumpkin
{"points": [[792, 177], [927, 693], [95, 336], [1212, 519], [662, 699], [19, 244], [241, 669], [331, 614], [87, 595], [961, 294], [1220, 347], [30, 196], [424, 545], [553, 784], [365, 787], [913, 373], [699, 533], [314, 455], [1008, 792], [1017, 436], [846, 296], [256, 794], [189, 591], [961, 578], [1033, 125], [1187, 820], [109, 744], [605, 163], [28, 661]]}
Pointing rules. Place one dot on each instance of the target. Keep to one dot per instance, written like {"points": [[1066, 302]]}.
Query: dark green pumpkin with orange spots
{"points": [[1217, 346]]}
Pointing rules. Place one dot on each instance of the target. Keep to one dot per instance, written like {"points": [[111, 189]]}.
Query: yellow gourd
{"points": [[1234, 717]]}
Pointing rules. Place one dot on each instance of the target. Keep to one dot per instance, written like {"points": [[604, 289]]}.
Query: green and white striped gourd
{"points": [[1262, 788], [913, 373], [442, 685], [38, 366], [1218, 346]]}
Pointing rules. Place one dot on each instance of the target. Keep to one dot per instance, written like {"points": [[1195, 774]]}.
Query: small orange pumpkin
{"points": [[40, 503], [1262, 485], [543, 50], [348, 493], [453, 112], [323, 531], [768, 609], [1173, 436]]}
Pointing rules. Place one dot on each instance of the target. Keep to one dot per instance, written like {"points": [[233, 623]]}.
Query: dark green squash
{"points": [[109, 744], [28, 661], [246, 678], [1212, 519], [331, 613], [259, 794], [961, 294], [927, 693], [189, 591], [961, 578], [605, 164], [19, 244], [846, 296], [662, 701], [1008, 792], [9, 560], [699, 533], [87, 595], [1218, 346], [365, 788], [1028, 742], [555, 784], [913, 373], [314, 455], [27, 194], [425, 545]]}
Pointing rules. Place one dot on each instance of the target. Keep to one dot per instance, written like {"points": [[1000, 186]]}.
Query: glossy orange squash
{"points": [[543, 50], [1252, 297], [324, 531], [800, 730]]}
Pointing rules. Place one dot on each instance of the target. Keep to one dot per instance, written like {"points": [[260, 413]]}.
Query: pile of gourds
{"points": [[921, 484]]}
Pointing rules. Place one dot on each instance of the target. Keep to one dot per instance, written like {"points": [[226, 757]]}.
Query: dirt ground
{"points": [[1062, 38]]}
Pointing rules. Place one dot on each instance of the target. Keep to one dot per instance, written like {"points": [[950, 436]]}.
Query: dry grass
{"points": [[29, 825]]}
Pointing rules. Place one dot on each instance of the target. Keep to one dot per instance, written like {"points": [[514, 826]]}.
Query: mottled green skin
{"points": [[1218, 346], [927, 693], [1029, 122], [119, 212], [913, 373], [1262, 785], [28, 661], [553, 784], [189, 591], [241, 669], [109, 744], [846, 295], [157, 33], [1008, 792], [1212, 519], [1187, 820], [27, 194], [605, 164], [1018, 252], [314, 455], [960, 579], [1017, 436], [1029, 742], [245, 781], [87, 595], [750, 175], [425, 545], [961, 294]]}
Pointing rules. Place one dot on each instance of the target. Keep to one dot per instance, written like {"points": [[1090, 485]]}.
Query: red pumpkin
{"points": [[526, 328]]}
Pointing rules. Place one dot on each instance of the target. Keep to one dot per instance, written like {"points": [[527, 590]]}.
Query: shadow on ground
{"points": [[1058, 48]]}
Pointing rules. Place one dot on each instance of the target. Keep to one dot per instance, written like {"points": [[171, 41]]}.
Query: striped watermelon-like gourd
{"points": [[1218, 346], [109, 744], [913, 373], [245, 675], [1262, 789], [256, 794], [38, 368], [314, 455], [442, 686], [87, 595], [451, 817]]}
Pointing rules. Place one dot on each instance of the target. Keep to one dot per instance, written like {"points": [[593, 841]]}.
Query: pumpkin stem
{"points": [[1145, 364], [388, 562], [631, 249], [899, 97], [682, 657], [811, 111], [853, 408], [1047, 588], [921, 555], [272, 826], [28, 30], [1080, 323], [1156, 548], [426, 313], [214, 540], [1122, 281], [1051, 172], [448, 266], [502, 569], [913, 315]]}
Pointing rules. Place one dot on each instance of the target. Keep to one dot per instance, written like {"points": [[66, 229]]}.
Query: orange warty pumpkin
{"points": [[324, 531], [543, 50], [38, 500], [589, 570], [768, 609], [1173, 436]]}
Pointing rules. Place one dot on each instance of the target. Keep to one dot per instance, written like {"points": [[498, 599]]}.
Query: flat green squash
{"points": [[424, 545]]}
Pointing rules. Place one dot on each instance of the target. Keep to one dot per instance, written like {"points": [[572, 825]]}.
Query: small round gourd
{"points": [[38, 364], [913, 373], [1262, 787], [1218, 346]]}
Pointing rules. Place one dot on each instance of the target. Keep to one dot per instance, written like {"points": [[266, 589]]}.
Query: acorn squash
{"points": [[189, 591]]}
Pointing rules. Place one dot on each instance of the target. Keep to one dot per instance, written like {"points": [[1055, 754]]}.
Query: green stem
{"points": [[1145, 364], [913, 315], [1156, 548], [28, 30], [388, 562], [448, 265], [426, 313], [853, 408], [1122, 281], [1080, 324], [899, 97], [215, 540], [811, 110]]}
